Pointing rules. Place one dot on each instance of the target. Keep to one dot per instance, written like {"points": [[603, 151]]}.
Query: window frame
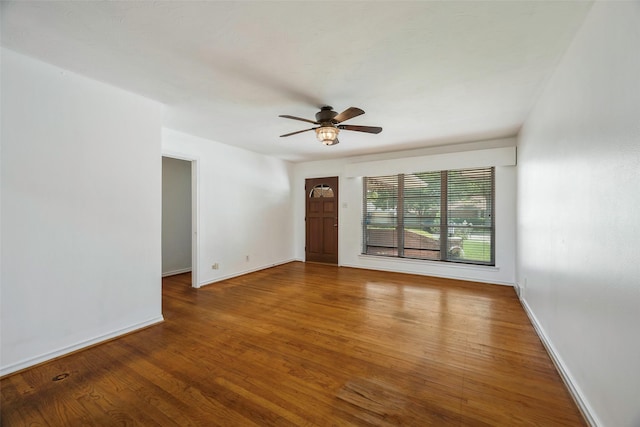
{"points": [[445, 226]]}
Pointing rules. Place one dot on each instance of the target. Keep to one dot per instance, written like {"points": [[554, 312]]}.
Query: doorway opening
{"points": [[179, 217]]}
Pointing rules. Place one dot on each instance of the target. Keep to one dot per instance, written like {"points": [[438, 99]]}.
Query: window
{"points": [[321, 190], [442, 215]]}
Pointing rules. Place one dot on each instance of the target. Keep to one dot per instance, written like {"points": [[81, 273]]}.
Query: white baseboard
{"points": [[174, 272], [565, 374], [518, 289], [243, 272], [32, 361]]}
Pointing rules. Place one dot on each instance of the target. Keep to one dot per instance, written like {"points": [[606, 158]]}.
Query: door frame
{"points": [[195, 212]]}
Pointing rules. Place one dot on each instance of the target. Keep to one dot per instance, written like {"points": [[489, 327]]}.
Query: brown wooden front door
{"points": [[322, 220]]}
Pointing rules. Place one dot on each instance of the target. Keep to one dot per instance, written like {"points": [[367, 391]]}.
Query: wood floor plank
{"points": [[308, 345]]}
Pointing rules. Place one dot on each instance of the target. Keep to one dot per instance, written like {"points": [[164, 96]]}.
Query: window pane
{"points": [[422, 215], [321, 190], [469, 215], [381, 220]]}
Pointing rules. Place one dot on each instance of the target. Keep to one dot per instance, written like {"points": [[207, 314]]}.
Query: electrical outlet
{"points": [[215, 266]]}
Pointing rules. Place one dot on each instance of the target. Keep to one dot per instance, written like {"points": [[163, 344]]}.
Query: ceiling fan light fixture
{"points": [[327, 134]]}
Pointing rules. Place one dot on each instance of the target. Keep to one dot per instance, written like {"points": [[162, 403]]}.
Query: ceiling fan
{"points": [[329, 124]]}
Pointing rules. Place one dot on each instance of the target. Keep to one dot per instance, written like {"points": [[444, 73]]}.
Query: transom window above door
{"points": [[321, 190]]}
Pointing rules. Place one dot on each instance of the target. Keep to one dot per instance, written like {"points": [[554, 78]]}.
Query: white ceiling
{"points": [[429, 73]]}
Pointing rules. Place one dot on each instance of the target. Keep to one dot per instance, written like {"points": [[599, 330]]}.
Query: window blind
{"points": [[381, 219], [442, 215]]}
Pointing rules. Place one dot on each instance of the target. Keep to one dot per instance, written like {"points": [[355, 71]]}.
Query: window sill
{"points": [[437, 264]]}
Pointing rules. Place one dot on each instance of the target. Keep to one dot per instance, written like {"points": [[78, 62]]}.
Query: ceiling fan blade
{"points": [[286, 116], [368, 129], [294, 133], [347, 114]]}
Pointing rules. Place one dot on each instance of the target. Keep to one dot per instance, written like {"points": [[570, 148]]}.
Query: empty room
{"points": [[318, 213]]}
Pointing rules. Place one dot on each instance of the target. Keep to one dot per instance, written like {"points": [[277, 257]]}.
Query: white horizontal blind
{"points": [[380, 215], [470, 223], [443, 215], [422, 206]]}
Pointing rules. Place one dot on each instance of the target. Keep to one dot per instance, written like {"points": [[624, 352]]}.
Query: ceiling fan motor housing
{"points": [[326, 115]]}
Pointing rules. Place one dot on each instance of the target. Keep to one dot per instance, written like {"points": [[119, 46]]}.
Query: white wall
{"points": [[350, 215], [245, 206], [80, 212], [578, 214], [176, 216]]}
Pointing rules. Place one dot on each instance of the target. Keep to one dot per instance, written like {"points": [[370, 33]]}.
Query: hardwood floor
{"points": [[308, 344]]}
